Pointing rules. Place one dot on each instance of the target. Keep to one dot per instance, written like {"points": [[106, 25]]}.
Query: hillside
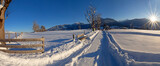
{"points": [[74, 26], [108, 21], [135, 23]]}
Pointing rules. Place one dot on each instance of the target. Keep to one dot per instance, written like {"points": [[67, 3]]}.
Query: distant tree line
{"points": [[36, 27]]}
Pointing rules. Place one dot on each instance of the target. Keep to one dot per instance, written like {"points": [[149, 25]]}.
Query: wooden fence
{"points": [[14, 33], [22, 46]]}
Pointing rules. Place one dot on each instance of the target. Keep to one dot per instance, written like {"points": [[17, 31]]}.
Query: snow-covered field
{"points": [[12, 35], [141, 46], [121, 47]]}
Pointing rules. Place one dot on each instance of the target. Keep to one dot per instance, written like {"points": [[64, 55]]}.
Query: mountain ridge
{"points": [[138, 22]]}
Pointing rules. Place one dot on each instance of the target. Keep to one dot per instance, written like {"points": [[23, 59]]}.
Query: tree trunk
{"points": [[93, 26], [2, 18], [2, 32]]}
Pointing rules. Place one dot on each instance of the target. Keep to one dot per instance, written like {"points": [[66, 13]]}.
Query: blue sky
{"points": [[55, 12]]}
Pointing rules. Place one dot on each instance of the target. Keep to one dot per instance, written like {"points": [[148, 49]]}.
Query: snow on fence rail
{"points": [[81, 36], [22, 46]]}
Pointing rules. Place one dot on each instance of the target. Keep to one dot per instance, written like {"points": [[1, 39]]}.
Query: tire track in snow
{"points": [[105, 56], [98, 54], [122, 57], [74, 60]]}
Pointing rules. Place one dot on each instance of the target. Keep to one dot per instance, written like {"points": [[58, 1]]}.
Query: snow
{"points": [[75, 59], [97, 53], [12, 35], [146, 44], [117, 47], [58, 46], [141, 46]]}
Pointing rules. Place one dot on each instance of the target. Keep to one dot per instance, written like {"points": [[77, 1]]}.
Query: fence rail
{"points": [[24, 51], [22, 46], [21, 40]]}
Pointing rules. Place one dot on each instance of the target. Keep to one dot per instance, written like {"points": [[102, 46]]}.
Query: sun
{"points": [[153, 22], [153, 18]]}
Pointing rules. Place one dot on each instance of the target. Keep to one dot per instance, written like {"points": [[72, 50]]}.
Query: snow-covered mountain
{"points": [[77, 25], [134, 22], [108, 21], [74, 26]]}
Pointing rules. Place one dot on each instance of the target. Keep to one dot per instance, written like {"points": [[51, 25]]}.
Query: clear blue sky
{"points": [[55, 12]]}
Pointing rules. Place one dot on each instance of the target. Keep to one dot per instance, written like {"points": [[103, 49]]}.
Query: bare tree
{"points": [[3, 7], [90, 16], [35, 26], [43, 28], [98, 21]]}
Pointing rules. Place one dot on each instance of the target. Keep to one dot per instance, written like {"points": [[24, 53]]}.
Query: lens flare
{"points": [[153, 22], [153, 18]]}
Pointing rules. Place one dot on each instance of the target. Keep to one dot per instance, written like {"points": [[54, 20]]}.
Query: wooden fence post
{"points": [[16, 34], [9, 36], [43, 44], [73, 37]]}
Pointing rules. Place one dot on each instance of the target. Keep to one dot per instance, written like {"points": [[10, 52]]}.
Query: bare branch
{"points": [[90, 16]]}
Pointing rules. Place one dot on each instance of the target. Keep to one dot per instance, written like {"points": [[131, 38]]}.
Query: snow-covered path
{"points": [[97, 53], [106, 58]]}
